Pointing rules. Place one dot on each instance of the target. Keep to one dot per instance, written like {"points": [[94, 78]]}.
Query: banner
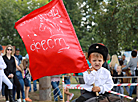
{"points": [[51, 41]]}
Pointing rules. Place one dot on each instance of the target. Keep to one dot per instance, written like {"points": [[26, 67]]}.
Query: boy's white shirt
{"points": [[101, 78]]}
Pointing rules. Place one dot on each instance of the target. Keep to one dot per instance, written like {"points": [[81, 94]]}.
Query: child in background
{"points": [[118, 73], [27, 79], [19, 71], [66, 90]]}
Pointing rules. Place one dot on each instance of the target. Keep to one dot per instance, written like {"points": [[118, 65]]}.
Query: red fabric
{"points": [[51, 42]]}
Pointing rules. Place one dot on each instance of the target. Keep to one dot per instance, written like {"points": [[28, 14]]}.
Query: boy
{"points": [[99, 76]]}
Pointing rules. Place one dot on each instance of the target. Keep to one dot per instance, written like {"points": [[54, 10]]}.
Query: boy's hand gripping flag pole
{"points": [[51, 41]]}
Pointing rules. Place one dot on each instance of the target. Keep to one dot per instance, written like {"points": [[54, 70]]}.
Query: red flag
{"points": [[51, 42]]}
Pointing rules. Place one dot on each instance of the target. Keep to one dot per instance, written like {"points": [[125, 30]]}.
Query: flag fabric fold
{"points": [[51, 41]]}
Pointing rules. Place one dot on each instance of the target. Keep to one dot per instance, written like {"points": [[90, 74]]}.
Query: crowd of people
{"points": [[119, 68], [15, 77]]}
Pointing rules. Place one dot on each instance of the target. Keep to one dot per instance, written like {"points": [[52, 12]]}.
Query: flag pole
{"points": [[97, 94], [63, 86]]}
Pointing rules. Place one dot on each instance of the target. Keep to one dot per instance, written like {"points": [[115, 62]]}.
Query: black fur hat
{"points": [[100, 48], [1, 48]]}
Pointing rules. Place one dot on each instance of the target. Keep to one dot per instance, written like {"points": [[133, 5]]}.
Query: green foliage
{"points": [[10, 12], [8, 16], [127, 20], [113, 23], [121, 29]]}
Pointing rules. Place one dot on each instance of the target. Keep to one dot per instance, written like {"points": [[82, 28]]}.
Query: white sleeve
{"points": [[108, 85], [2, 65], [89, 79]]}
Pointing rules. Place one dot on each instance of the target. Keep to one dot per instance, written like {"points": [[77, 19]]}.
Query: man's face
{"points": [[96, 62], [123, 57], [17, 52]]}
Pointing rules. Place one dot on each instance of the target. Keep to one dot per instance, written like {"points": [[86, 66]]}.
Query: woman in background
{"points": [[3, 77], [113, 64], [10, 71]]}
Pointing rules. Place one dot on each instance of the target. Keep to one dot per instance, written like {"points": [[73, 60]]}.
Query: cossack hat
{"points": [[99, 48], [1, 48]]}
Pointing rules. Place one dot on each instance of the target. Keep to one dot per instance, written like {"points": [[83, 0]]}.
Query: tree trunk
{"points": [[45, 89]]}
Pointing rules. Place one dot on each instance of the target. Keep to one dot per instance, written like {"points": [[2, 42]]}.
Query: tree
{"points": [[127, 20], [8, 16], [76, 10], [106, 27], [10, 12], [115, 24]]}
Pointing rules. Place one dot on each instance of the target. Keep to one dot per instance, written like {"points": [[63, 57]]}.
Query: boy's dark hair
{"points": [[134, 53], [99, 48]]}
